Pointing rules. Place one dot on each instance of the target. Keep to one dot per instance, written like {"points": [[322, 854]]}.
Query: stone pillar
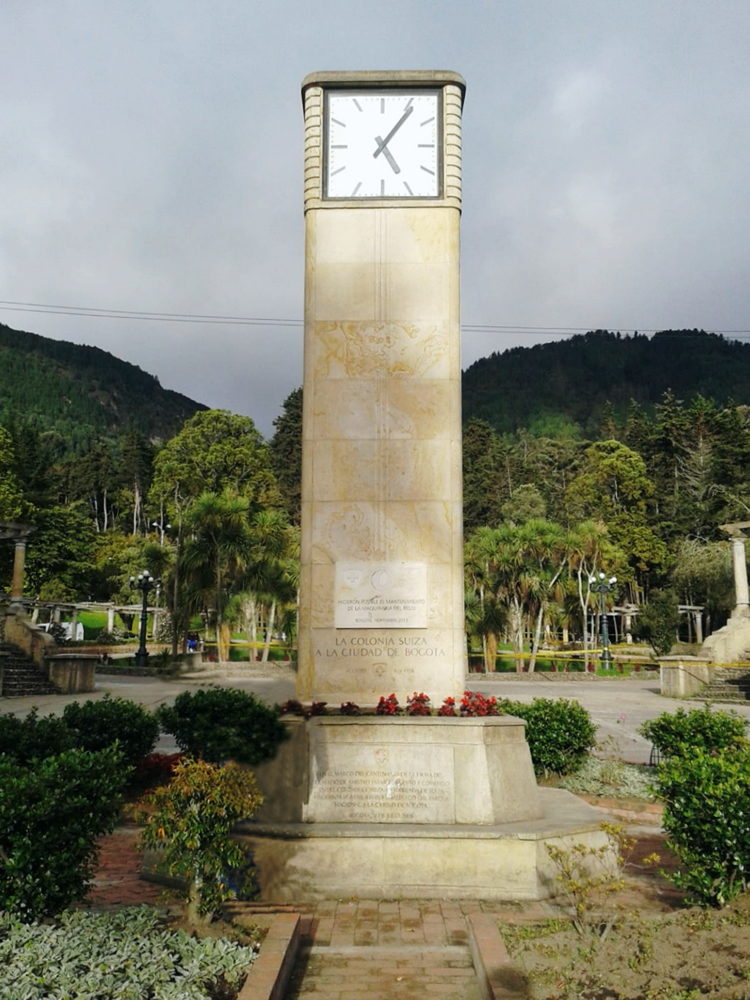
{"points": [[742, 596], [19, 560], [110, 619], [73, 624], [698, 622]]}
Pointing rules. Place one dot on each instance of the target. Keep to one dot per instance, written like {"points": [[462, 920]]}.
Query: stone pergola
{"points": [[18, 533]]}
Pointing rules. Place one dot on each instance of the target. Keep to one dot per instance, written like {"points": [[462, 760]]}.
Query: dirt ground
{"points": [[692, 953], [658, 947]]}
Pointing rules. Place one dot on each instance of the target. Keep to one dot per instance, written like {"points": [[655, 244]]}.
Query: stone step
{"points": [[21, 676]]}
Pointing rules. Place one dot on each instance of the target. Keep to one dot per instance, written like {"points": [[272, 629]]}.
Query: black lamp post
{"points": [[603, 587], [145, 583]]}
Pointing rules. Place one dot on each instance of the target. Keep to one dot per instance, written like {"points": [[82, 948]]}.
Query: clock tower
{"points": [[381, 587]]}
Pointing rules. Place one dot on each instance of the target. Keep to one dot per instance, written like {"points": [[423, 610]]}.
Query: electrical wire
{"points": [[275, 321]]}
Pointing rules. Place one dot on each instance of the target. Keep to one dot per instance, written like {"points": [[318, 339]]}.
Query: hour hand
{"points": [[382, 148]]}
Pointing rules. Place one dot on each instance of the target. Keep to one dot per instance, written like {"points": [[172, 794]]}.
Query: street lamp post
{"points": [[145, 583], [603, 587], [162, 528]]}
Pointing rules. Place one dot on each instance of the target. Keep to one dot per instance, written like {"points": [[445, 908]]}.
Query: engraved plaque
{"points": [[382, 784], [381, 595]]}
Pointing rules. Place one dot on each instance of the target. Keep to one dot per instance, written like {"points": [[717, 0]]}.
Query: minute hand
{"points": [[384, 142]]}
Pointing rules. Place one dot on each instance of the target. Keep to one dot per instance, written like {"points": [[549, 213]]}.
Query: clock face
{"points": [[383, 144]]}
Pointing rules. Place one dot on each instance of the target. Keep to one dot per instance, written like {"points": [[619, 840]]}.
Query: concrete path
{"points": [[617, 706]]}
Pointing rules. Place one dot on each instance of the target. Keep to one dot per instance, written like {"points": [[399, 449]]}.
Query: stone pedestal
{"points": [[381, 807]]}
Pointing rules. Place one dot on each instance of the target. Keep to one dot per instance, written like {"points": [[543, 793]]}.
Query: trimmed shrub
{"points": [[33, 738], [219, 724], [559, 732], [707, 817], [50, 816], [98, 724], [679, 733]]}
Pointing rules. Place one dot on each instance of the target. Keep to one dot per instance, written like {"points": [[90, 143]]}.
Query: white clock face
{"points": [[383, 145]]}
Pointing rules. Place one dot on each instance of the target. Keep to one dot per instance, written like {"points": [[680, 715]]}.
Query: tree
{"points": [[61, 551], [218, 544], [613, 488], [216, 451], [485, 475], [12, 504], [286, 454], [517, 568], [190, 822]]}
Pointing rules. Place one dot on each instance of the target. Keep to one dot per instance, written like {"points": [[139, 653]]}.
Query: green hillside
{"points": [[549, 387], [73, 393]]}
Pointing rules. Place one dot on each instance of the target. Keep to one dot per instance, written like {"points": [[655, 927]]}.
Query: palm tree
{"points": [[218, 545]]}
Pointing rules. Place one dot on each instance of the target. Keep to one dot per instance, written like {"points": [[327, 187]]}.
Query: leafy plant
{"points": [[350, 708], [51, 813], [448, 708], [221, 724], [191, 819], [474, 703], [659, 621], [98, 724], [116, 956], [388, 706], [679, 733], [611, 778], [589, 875], [707, 817], [33, 738], [418, 704], [559, 732]]}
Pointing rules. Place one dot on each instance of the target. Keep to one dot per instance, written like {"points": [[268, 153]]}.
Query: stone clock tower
{"points": [[432, 806], [382, 556]]}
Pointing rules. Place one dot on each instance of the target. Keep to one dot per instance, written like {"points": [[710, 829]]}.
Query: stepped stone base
{"points": [[304, 861], [425, 807]]}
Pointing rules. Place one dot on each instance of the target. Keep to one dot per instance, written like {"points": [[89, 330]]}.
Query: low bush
{"points": [[559, 732], [219, 724], [116, 955], [679, 733], [191, 819], [51, 813], [33, 738], [707, 818], [98, 724]]}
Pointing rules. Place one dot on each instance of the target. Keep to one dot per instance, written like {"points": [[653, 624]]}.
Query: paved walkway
{"points": [[617, 706]]}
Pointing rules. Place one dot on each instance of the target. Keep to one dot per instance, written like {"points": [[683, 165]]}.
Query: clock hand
{"points": [[388, 155], [382, 143]]}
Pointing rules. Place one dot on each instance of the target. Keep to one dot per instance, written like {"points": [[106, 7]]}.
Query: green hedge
{"points": [[98, 724], [51, 812], [679, 733], [220, 724], [559, 732], [707, 817]]}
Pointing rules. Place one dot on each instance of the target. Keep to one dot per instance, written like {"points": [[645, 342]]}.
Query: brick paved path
{"points": [[370, 950], [117, 882]]}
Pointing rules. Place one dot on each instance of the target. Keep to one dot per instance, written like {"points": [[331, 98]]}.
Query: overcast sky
{"points": [[151, 160]]}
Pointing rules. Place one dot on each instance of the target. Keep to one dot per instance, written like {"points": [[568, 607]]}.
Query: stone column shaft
{"points": [[19, 560]]}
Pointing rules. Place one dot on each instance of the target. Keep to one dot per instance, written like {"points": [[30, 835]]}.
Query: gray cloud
{"points": [[152, 160]]}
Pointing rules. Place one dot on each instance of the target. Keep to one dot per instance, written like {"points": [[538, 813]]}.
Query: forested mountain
{"points": [[74, 394], [567, 384]]}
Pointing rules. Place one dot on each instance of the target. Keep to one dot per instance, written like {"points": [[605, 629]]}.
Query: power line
{"points": [[275, 321]]}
